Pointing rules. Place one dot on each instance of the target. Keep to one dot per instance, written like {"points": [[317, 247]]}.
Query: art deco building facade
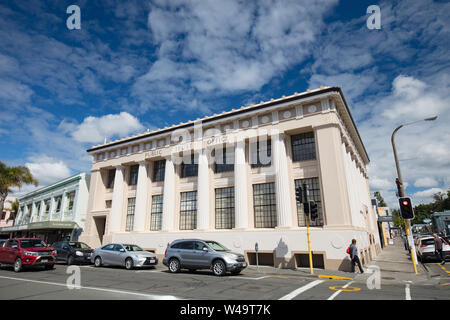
{"points": [[53, 213], [240, 187]]}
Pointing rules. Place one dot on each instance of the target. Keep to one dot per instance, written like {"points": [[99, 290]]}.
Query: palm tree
{"points": [[13, 177]]}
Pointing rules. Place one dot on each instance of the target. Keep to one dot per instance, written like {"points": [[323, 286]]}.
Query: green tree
{"points": [[13, 177], [380, 199], [441, 203]]}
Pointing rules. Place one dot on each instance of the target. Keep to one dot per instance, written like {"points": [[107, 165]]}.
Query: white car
{"points": [[425, 248]]}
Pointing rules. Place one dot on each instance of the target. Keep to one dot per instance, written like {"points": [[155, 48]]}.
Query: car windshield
{"points": [[79, 245], [33, 244], [216, 246], [132, 247]]}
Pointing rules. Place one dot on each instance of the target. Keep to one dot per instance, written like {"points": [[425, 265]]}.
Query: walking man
{"points": [[354, 256], [438, 247]]}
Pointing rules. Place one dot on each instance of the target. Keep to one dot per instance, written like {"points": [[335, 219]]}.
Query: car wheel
{"points": [[18, 265], [98, 262], [69, 260], [129, 264], [174, 265], [219, 268]]}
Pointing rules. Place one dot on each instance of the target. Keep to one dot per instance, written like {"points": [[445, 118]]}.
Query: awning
{"points": [[42, 225]]}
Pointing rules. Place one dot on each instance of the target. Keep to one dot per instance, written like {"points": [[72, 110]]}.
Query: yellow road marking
{"points": [[446, 284], [348, 289], [335, 277]]}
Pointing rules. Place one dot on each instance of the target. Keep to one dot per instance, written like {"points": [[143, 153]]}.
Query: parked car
{"points": [[72, 252], [127, 255], [196, 254], [27, 252], [425, 248]]}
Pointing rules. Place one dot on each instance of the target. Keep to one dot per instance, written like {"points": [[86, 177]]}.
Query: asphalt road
{"points": [[114, 283]]}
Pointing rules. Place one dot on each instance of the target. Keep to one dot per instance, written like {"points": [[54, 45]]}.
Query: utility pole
{"points": [[401, 191]]}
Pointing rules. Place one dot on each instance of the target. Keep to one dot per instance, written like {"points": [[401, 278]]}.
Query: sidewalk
{"points": [[394, 262], [395, 265]]}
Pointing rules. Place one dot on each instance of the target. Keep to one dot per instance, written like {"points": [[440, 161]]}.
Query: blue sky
{"points": [[135, 65]]}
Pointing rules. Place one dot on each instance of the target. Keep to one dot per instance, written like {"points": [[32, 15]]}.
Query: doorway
{"points": [[100, 224]]}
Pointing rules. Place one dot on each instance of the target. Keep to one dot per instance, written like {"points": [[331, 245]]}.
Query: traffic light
{"points": [[298, 194], [406, 210], [313, 210]]}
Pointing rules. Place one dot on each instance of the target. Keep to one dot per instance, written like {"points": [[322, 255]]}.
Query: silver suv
{"points": [[196, 254]]}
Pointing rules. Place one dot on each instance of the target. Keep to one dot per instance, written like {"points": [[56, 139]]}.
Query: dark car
{"points": [[72, 252]]}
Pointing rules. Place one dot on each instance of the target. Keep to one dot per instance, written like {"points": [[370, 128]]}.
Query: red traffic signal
{"points": [[406, 209]]}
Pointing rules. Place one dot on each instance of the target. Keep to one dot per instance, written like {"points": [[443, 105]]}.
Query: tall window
{"points": [[189, 169], [314, 194], [303, 147], [58, 203], [70, 200], [111, 176], [188, 210], [157, 209], [226, 161], [225, 208], [264, 204], [159, 169], [132, 181], [130, 214], [47, 206], [261, 155]]}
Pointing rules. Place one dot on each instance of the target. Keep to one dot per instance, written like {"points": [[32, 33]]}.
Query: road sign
{"points": [[426, 220], [386, 219]]}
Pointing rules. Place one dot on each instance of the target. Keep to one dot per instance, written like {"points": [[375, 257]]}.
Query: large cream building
{"points": [[240, 188]]}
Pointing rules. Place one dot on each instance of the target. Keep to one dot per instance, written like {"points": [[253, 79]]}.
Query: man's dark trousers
{"points": [[356, 259]]}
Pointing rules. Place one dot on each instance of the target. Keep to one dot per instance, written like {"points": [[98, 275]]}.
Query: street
{"points": [[111, 283]]}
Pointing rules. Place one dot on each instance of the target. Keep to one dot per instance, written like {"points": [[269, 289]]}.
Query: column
{"points": [[203, 191], [63, 204], [240, 186], [52, 208], [336, 204], [282, 181], [169, 196], [117, 201], [141, 198], [41, 210]]}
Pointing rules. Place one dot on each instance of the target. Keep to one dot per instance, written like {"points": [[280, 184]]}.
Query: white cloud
{"points": [[428, 194], [425, 183], [222, 47], [96, 129], [48, 170]]}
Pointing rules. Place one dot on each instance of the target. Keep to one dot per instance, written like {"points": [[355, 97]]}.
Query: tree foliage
{"points": [[441, 203], [380, 199], [13, 177]]}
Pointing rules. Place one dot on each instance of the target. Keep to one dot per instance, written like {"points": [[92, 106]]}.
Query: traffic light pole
{"points": [[311, 270], [305, 199], [401, 193]]}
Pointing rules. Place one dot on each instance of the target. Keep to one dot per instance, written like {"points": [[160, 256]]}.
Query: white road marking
{"points": [[300, 290], [149, 296], [334, 295], [407, 292]]}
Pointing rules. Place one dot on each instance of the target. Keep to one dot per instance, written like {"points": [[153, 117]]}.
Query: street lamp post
{"points": [[401, 189]]}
